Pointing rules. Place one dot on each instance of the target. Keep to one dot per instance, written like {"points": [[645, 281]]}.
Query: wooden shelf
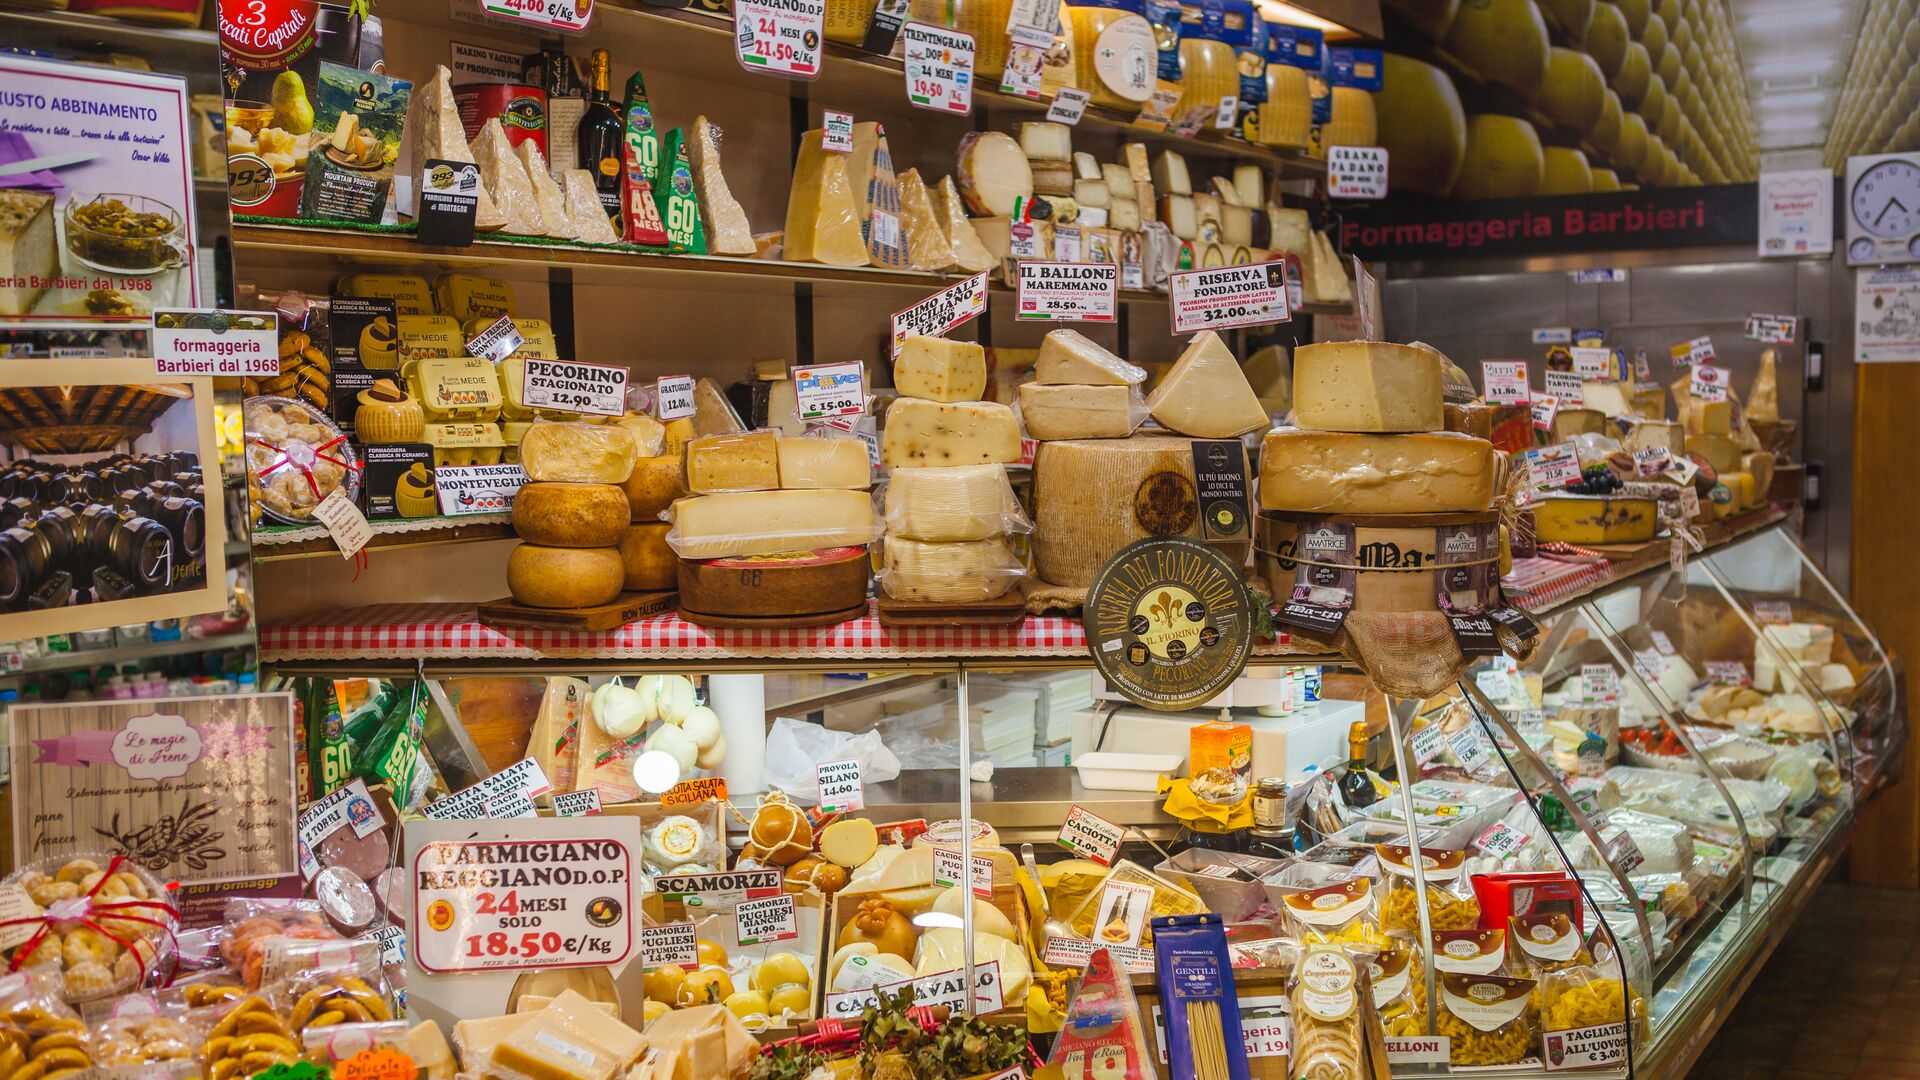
{"points": [[452, 531]]}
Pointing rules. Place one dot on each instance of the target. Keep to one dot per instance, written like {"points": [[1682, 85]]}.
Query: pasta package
{"points": [[1395, 998], [1332, 914], [1579, 997], [1546, 942], [1486, 1018], [1336, 1032], [1196, 977], [1470, 952], [1450, 904]]}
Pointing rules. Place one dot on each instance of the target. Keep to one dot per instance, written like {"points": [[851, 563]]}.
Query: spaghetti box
{"points": [[1505, 895]]}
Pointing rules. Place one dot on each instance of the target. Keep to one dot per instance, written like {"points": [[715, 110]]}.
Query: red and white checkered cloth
{"points": [[1542, 582]]}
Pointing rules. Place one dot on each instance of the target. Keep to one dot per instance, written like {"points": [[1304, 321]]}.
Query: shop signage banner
{"points": [[1608, 221], [1796, 212]]}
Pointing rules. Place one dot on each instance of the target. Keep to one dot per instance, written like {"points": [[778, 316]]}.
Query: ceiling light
{"points": [[1805, 99], [1792, 19], [1786, 66], [1790, 121], [1294, 16]]}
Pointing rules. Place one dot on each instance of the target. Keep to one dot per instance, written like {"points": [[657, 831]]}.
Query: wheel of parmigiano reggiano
{"points": [[1654, 37], [1503, 41], [1565, 173], [1571, 16], [1636, 12], [1093, 496], [651, 566], [555, 577], [570, 515], [1668, 66], [1635, 72], [653, 485], [1575, 93], [1671, 127], [1633, 142], [1653, 101], [1607, 38], [1421, 125], [1504, 159], [1606, 133], [1354, 122]]}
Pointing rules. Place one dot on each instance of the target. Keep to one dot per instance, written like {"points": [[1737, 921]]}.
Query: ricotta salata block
{"points": [[1341, 472], [762, 522], [1206, 395], [1369, 386], [941, 369], [1078, 412], [949, 433], [1068, 356]]}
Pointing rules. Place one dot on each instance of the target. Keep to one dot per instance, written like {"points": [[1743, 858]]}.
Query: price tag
{"points": [[1229, 296], [1366, 301], [1694, 351], [566, 16], [670, 943], [1773, 329], [1592, 363], [498, 904], [1466, 747], [1600, 683], [1565, 388], [1493, 683], [567, 386], [839, 783], [949, 988], [1728, 673], [1773, 611], [1624, 853], [344, 522], [1652, 461], [1426, 743], [1648, 663], [1357, 172], [946, 870], [837, 132], [1585, 1048], [1090, 836], [477, 489], [1709, 383], [1662, 642], [1551, 468], [449, 201], [576, 803], [765, 921], [1161, 105], [1068, 292], [692, 791], [937, 315], [1501, 840], [1506, 381], [1689, 502], [782, 38], [1024, 74], [1642, 370], [1228, 112], [721, 891], [673, 397], [209, 341], [1544, 407], [497, 341], [1068, 106], [1418, 1049], [524, 776], [939, 68], [830, 390], [1073, 952]]}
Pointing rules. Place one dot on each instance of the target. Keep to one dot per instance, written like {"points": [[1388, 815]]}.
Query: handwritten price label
{"points": [[566, 386], [780, 38], [673, 397], [939, 314], [939, 68], [1357, 172]]}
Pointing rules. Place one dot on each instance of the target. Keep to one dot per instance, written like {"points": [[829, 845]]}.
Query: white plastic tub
{"points": [[1109, 771]]}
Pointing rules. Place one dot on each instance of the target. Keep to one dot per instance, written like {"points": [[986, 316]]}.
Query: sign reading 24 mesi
{"points": [[484, 905], [782, 38], [939, 65], [1224, 297]]}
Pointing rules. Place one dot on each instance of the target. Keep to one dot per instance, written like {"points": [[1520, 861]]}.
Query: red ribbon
{"points": [[46, 923]]}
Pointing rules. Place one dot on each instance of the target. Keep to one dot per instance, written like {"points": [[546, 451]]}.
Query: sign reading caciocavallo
{"points": [[1168, 622]]}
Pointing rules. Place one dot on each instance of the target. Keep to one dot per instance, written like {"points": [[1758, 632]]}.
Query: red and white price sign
{"points": [[939, 66], [1090, 836], [1544, 406], [672, 397], [946, 870], [1068, 292], [1693, 351], [839, 784], [1709, 383], [1551, 468], [937, 315], [1506, 381], [767, 920], [670, 943], [1357, 172], [1227, 296], [565, 16], [500, 904], [779, 38], [1501, 840], [1565, 388], [592, 389]]}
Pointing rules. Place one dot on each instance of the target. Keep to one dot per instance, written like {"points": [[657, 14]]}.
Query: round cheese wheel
{"points": [[1503, 41], [994, 172], [1636, 70], [1607, 38], [780, 585], [1566, 172], [653, 485], [1503, 161], [1607, 131], [570, 515], [1575, 93], [1571, 16], [561, 577], [651, 565], [1421, 125], [1397, 557]]}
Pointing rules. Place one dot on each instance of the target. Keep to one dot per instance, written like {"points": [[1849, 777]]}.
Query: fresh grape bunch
{"points": [[1595, 480]]}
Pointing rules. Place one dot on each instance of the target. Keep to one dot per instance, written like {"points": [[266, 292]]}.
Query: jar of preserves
{"points": [[1114, 52], [986, 20]]}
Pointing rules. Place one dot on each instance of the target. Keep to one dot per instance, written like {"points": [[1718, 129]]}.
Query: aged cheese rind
{"points": [[506, 180], [779, 584], [1206, 395], [728, 232], [876, 196], [1079, 412], [823, 217], [654, 484], [1665, 435], [970, 502], [1595, 519], [941, 369], [577, 453], [927, 245], [1570, 422], [557, 577], [1369, 386], [651, 565], [736, 461], [570, 515], [993, 172], [1345, 473], [762, 522], [1093, 496], [949, 433], [1068, 356], [949, 573], [546, 193], [1720, 451], [587, 219], [824, 463]]}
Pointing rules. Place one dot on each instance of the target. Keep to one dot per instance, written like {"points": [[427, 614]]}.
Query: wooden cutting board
{"points": [[627, 607]]}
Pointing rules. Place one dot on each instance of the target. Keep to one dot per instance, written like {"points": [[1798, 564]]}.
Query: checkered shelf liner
{"points": [[1539, 583]]}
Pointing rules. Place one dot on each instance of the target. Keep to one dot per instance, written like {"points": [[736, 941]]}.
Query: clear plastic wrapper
{"points": [[254, 924], [40, 1035], [1229, 883], [1080, 412], [1393, 973], [1471, 951], [825, 457], [156, 1038], [578, 453], [764, 522], [341, 1042], [1695, 801], [946, 505], [1545, 942], [1582, 996], [1450, 903], [1169, 898], [243, 1037], [960, 572], [1338, 908], [327, 986], [101, 920], [1486, 1017], [296, 456], [1329, 1015]]}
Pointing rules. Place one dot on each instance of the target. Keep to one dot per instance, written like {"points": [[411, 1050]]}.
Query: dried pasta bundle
{"points": [[1450, 906]]}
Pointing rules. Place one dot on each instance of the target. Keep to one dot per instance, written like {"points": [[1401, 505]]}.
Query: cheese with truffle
{"points": [[761, 522], [971, 502], [941, 369], [1206, 394], [1068, 356], [1078, 412], [824, 463], [949, 572], [736, 461], [1368, 386], [949, 433], [1345, 473]]}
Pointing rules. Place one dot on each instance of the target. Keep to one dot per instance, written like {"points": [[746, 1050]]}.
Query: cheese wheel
{"points": [[1342, 473], [558, 577], [1575, 93], [577, 453], [974, 570], [1421, 125], [969, 502], [653, 485], [780, 585], [651, 565], [1396, 561], [1504, 159], [1503, 41], [993, 173], [1093, 496], [570, 515]]}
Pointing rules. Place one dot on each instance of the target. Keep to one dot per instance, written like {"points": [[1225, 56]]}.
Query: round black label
{"points": [[1168, 622]]}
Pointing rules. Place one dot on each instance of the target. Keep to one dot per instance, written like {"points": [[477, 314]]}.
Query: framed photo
{"points": [[111, 507]]}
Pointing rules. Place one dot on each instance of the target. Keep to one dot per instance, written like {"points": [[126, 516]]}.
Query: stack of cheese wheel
{"points": [[776, 527], [948, 505], [572, 515], [1369, 458]]}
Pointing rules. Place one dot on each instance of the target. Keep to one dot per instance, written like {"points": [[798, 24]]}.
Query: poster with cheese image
{"points": [[96, 195]]}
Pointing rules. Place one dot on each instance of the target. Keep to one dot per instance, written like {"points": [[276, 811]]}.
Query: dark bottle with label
{"points": [[600, 137], [1356, 787], [1271, 837]]}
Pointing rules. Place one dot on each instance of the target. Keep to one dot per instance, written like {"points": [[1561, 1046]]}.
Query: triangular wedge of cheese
{"points": [[1206, 395], [823, 218], [927, 246], [968, 252], [1329, 275], [877, 194], [546, 193], [438, 136], [506, 180], [1070, 357], [727, 230], [587, 218]]}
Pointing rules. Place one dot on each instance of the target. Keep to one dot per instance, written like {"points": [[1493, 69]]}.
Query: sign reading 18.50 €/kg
{"points": [[1068, 292], [482, 905], [1228, 296], [568, 16], [939, 65], [779, 37]]}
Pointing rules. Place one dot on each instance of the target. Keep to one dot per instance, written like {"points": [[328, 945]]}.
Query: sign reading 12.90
{"points": [[567, 15]]}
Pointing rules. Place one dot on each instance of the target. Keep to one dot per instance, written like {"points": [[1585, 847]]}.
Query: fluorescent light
{"points": [[1804, 99], [1792, 19], [1791, 121], [1790, 64], [1294, 16]]}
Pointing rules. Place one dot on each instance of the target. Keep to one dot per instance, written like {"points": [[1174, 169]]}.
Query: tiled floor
{"points": [[1839, 999]]}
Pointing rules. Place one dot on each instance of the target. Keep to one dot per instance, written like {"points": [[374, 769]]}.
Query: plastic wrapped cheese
{"points": [[968, 502], [970, 570], [944, 949], [578, 453]]}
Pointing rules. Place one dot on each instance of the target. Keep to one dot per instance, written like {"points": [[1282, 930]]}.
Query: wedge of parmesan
{"points": [[968, 252], [727, 230], [438, 136], [506, 180], [546, 193]]}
